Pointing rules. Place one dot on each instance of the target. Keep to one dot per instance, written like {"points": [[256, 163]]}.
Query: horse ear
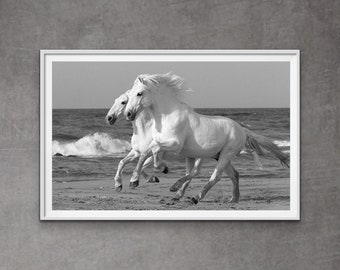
{"points": [[142, 81]]}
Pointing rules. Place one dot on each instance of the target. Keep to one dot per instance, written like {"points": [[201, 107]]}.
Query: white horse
{"points": [[178, 128], [140, 141]]}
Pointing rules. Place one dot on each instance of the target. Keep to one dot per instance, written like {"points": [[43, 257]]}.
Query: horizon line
{"points": [[92, 108]]}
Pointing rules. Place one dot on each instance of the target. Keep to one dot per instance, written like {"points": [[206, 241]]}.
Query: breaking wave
{"points": [[97, 144], [282, 143]]}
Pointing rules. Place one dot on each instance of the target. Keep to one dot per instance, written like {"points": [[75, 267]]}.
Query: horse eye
{"points": [[139, 94], [123, 102]]}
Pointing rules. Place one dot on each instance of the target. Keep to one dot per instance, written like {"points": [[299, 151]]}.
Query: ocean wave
{"points": [[230, 114], [244, 125], [64, 137], [282, 143], [97, 144], [241, 113]]}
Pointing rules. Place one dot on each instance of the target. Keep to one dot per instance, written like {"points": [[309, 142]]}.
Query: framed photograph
{"points": [[170, 135]]}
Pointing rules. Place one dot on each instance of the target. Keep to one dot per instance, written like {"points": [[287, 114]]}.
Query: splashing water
{"points": [[97, 144]]}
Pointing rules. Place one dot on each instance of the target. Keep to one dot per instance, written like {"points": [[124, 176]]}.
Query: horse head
{"points": [[117, 109], [140, 96]]}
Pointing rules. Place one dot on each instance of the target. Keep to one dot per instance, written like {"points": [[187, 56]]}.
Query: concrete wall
{"points": [[28, 26]]}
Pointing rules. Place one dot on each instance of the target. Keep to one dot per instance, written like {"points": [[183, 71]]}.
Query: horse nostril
{"points": [[109, 118], [129, 114]]}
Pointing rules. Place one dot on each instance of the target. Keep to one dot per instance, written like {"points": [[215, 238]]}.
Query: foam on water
{"points": [[282, 143], [97, 144]]}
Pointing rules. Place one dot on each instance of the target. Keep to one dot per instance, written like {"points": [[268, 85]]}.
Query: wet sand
{"points": [[256, 194]]}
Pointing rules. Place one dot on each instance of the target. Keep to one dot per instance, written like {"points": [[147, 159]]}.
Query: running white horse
{"points": [[178, 128], [140, 141]]}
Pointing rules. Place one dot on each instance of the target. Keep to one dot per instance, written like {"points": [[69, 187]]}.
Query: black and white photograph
{"points": [[184, 136], [173, 134]]}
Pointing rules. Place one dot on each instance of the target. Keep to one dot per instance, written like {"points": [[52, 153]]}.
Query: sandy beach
{"points": [[256, 194]]}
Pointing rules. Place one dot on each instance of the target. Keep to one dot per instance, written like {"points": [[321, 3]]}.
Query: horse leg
{"points": [[194, 172], [144, 174], [181, 183], [153, 178], [158, 149], [215, 177], [180, 192], [154, 148], [190, 162], [224, 159], [191, 173], [132, 155], [159, 162], [134, 182], [234, 176], [145, 165]]}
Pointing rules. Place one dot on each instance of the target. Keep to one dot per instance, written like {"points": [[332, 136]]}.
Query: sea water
{"points": [[86, 148]]}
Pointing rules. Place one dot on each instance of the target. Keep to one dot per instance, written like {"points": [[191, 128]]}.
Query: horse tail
{"points": [[258, 143], [257, 160]]}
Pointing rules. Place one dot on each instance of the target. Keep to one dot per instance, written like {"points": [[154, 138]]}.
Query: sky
{"points": [[214, 84]]}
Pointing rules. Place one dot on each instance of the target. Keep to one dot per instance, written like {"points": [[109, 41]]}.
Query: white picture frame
{"points": [[47, 57]]}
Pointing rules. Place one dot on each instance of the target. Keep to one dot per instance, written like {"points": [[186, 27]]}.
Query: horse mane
{"points": [[172, 81]]}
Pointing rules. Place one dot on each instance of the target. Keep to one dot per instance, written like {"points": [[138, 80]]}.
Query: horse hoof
{"points": [[153, 179], [173, 188], [194, 200], [173, 201], [234, 200], [134, 184], [162, 201], [119, 188], [166, 170]]}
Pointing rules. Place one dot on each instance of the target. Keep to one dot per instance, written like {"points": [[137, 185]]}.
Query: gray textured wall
{"points": [[27, 26]]}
